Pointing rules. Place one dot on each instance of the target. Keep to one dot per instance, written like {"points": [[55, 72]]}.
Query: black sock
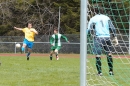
{"points": [[98, 64], [110, 62], [51, 57]]}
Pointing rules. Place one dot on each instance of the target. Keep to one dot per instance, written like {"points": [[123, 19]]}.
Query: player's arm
{"points": [[34, 31], [17, 28], [64, 37], [113, 30], [90, 27], [51, 41]]}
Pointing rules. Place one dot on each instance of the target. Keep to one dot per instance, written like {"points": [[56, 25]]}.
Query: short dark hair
{"points": [[28, 23], [56, 29]]}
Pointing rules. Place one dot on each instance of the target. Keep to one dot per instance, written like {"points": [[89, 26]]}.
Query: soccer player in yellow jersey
{"points": [[29, 38]]}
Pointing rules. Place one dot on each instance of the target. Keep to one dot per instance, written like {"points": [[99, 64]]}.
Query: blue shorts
{"points": [[102, 43], [28, 43]]}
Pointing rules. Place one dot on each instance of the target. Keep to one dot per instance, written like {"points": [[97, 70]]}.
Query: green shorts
{"points": [[55, 47]]}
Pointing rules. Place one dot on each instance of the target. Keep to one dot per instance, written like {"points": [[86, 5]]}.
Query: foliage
{"points": [[44, 15]]}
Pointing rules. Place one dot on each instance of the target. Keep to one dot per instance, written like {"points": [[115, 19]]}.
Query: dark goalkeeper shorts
{"points": [[102, 43]]}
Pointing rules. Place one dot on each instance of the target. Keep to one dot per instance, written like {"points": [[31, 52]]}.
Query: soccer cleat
{"points": [[111, 73], [27, 58], [57, 57], [99, 74]]}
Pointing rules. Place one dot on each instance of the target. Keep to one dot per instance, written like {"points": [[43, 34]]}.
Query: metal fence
{"points": [[39, 47], [42, 45]]}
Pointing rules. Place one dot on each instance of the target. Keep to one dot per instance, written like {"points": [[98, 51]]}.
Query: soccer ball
{"points": [[18, 45]]}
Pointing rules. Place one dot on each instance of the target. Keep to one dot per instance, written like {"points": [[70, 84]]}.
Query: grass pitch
{"points": [[40, 71], [121, 68]]}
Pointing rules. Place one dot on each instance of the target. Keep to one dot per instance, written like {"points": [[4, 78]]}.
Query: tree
{"points": [[44, 15], [70, 15]]}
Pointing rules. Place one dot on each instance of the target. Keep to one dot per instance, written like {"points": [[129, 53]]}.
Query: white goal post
{"points": [[83, 41]]}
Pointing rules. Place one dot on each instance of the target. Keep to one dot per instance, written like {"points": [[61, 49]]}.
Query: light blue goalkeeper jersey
{"points": [[101, 23]]}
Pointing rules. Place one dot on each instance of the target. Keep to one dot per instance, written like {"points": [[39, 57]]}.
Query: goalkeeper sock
{"points": [[98, 65], [110, 62]]}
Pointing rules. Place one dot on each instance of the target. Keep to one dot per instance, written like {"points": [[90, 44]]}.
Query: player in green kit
{"points": [[55, 41]]}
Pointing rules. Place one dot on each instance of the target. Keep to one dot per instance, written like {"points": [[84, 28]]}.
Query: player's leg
{"points": [[98, 64], [108, 48], [28, 54], [24, 46], [56, 52], [97, 50], [52, 51], [51, 54], [30, 46], [110, 63]]}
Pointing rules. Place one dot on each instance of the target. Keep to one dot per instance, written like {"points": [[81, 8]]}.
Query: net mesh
{"points": [[118, 11]]}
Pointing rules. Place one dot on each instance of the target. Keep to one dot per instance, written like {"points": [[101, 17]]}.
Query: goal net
{"points": [[118, 11]]}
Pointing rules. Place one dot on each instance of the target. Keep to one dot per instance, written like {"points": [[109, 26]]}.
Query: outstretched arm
{"points": [[64, 37], [17, 28]]}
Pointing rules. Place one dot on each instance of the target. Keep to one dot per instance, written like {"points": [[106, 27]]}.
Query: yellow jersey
{"points": [[29, 35]]}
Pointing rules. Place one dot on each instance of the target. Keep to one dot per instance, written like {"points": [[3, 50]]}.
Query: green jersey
{"points": [[56, 39]]}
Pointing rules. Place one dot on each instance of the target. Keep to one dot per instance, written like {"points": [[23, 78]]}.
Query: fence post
{"points": [[15, 48]]}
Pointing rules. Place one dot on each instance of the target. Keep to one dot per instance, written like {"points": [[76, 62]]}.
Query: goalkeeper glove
{"points": [[116, 41]]}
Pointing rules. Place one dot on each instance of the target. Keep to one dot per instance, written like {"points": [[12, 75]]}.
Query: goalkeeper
{"points": [[55, 41], [102, 25]]}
